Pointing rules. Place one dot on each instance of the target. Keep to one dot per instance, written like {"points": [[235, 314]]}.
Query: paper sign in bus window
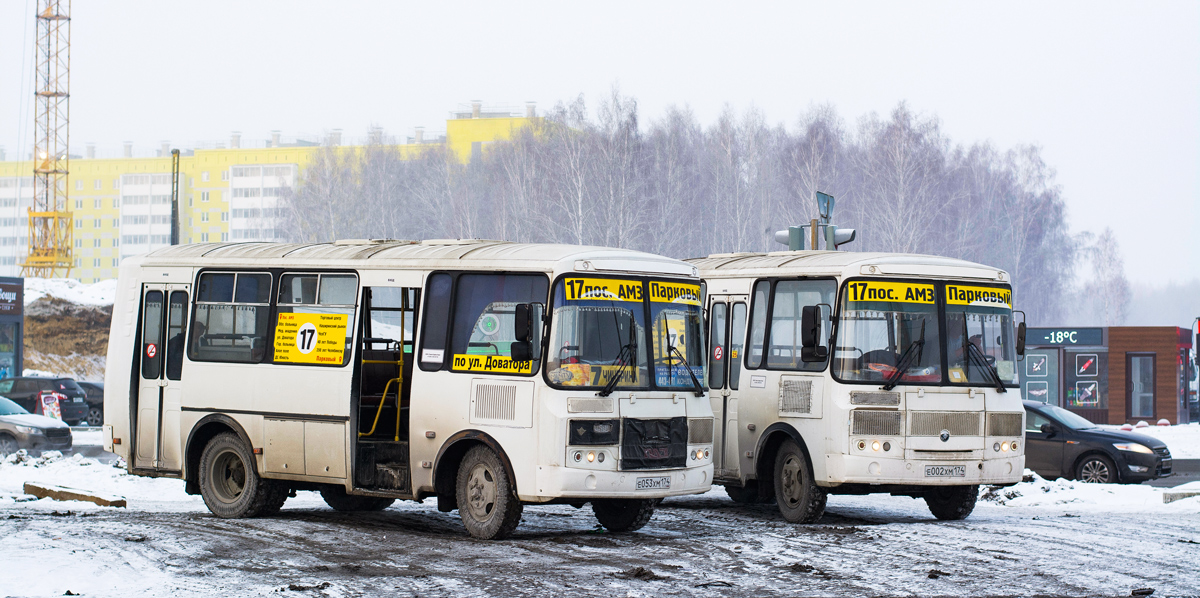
{"points": [[311, 338], [984, 296], [1087, 365], [1035, 365], [497, 364]]}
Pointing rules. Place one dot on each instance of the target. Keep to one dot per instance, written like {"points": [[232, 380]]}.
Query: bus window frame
{"points": [[447, 363], [772, 281], [352, 324], [269, 351]]}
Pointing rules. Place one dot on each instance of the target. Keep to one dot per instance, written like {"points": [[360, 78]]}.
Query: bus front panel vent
{"points": [[875, 423], [700, 430], [875, 398], [1005, 424], [957, 423], [795, 396]]}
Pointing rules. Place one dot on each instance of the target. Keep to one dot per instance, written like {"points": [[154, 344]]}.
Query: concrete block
{"points": [[62, 493], [1181, 492]]}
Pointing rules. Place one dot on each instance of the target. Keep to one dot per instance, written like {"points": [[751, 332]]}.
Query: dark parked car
{"points": [[24, 391], [1059, 443], [95, 401], [20, 429]]}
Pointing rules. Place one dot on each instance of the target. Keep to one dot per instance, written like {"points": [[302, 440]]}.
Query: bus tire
{"points": [[336, 497], [619, 515], [951, 503], [799, 497], [487, 501], [230, 484]]}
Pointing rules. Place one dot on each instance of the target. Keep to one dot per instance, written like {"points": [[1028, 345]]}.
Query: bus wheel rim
{"points": [[481, 492], [792, 480], [229, 476]]}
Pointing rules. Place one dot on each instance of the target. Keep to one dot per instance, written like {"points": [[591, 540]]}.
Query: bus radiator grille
{"points": [[931, 423], [875, 423], [496, 402], [1005, 424], [795, 396], [700, 430]]}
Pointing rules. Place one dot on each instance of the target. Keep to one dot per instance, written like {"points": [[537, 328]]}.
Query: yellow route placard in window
{"points": [[986, 296], [310, 338], [602, 289], [490, 363], [897, 292], [675, 292]]}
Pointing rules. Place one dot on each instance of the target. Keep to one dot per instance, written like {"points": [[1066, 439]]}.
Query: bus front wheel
{"points": [[487, 502], [799, 497], [951, 503], [623, 514], [230, 484]]}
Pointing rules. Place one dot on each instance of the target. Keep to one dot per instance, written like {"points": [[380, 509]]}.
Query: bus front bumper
{"points": [[855, 469], [567, 482]]}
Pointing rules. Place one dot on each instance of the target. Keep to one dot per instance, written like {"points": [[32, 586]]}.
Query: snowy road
{"points": [[1098, 542]]}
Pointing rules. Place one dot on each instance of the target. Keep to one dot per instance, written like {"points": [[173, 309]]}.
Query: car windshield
{"points": [[8, 407], [979, 333], [884, 323], [1068, 419], [599, 331]]}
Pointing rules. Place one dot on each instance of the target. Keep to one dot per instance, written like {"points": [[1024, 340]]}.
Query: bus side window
{"points": [[484, 320], [791, 296], [758, 324], [229, 328], [437, 321]]}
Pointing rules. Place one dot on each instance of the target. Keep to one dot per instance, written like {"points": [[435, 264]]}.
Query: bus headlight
{"points": [[591, 456], [1004, 447], [996, 447], [875, 445]]}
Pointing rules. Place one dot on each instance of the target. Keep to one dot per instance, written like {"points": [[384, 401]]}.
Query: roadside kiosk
{"points": [[1110, 375], [12, 325]]}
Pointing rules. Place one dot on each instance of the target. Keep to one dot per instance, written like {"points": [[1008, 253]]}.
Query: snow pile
{"points": [[77, 471], [98, 294], [1183, 441], [1040, 492]]}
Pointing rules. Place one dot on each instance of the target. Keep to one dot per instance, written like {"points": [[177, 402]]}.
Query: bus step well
{"points": [[382, 466]]}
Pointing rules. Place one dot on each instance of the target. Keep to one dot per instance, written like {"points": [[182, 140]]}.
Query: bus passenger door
{"points": [[727, 333], [164, 328]]}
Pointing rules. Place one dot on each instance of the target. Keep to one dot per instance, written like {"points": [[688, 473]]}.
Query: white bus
{"points": [[857, 373], [488, 374]]}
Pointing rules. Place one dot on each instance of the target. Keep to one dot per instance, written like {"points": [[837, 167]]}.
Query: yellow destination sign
{"points": [[582, 374], [311, 338], [898, 292], [602, 289], [987, 296], [496, 364], [675, 292]]}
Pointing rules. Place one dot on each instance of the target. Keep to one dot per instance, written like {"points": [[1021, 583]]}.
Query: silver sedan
{"points": [[20, 429]]}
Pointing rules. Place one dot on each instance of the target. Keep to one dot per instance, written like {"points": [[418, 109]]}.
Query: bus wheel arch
{"points": [[450, 456], [205, 430], [768, 447]]}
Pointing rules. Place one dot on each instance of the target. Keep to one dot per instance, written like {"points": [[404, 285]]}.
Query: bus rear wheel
{"points": [[951, 503], [336, 498], [624, 514], [487, 500], [799, 497], [230, 484]]}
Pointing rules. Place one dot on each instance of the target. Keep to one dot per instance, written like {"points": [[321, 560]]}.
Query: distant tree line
{"points": [[679, 188]]}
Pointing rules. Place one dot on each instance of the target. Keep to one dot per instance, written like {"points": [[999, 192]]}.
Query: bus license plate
{"points": [[945, 471], [663, 483]]}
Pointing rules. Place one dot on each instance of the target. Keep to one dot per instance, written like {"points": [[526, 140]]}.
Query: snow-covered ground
{"points": [[96, 294], [1184, 441], [1037, 537]]}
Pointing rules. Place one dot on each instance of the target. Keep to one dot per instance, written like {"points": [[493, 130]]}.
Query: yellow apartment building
{"points": [[122, 206]]}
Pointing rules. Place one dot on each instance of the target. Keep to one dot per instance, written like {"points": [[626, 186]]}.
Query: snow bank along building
{"points": [[228, 192], [1113, 375]]}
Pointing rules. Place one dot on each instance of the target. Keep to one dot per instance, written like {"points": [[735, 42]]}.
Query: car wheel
{"points": [[8, 445], [623, 514], [799, 497], [952, 503], [230, 484], [487, 501], [95, 417], [1096, 469], [336, 497]]}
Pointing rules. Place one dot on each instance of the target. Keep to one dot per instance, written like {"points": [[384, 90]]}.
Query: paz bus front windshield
{"points": [[599, 331], [886, 327]]}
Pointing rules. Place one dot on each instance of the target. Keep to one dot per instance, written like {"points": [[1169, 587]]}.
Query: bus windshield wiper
{"points": [[905, 357], [698, 389], [974, 351], [626, 355]]}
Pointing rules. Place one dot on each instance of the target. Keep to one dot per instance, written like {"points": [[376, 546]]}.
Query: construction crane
{"points": [[50, 230]]}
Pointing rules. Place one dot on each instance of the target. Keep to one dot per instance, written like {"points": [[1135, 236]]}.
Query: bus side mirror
{"points": [[523, 322], [524, 329], [1021, 339], [810, 329]]}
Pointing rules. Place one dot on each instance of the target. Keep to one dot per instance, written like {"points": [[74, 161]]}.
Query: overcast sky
{"points": [[1111, 91]]}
